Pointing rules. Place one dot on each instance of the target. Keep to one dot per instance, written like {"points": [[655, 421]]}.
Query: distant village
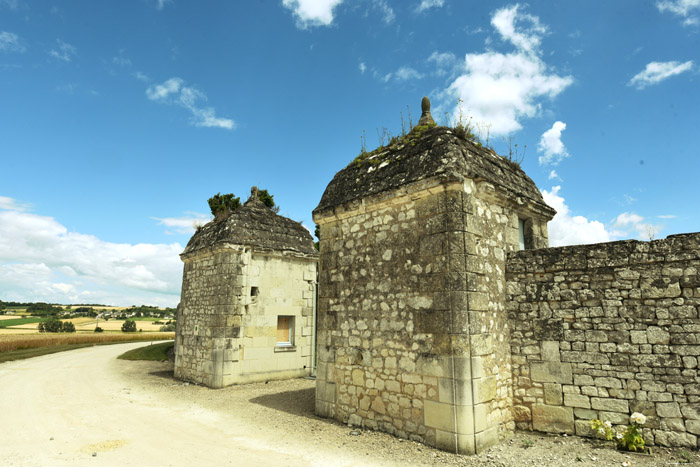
{"points": [[104, 312]]}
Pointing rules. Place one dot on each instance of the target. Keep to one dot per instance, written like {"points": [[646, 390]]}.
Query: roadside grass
{"points": [[10, 343], [19, 321], [155, 352]]}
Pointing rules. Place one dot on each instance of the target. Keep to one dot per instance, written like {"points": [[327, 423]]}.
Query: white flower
{"points": [[601, 430], [618, 436], [608, 424], [638, 418]]}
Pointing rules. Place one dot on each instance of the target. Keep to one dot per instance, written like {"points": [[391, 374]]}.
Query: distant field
{"points": [[12, 342], [19, 321], [29, 325]]}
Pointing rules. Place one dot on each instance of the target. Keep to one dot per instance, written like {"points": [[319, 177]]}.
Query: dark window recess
{"points": [[254, 292]]}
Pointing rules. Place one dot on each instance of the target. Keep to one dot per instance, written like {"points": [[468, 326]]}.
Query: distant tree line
{"points": [[53, 324]]}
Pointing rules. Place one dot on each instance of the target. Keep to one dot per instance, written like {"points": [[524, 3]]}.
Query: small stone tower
{"points": [[413, 334], [247, 307]]}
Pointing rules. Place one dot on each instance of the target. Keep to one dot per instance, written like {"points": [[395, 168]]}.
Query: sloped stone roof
{"points": [[256, 225], [435, 152]]}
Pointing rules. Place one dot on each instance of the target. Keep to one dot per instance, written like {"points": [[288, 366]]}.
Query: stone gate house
{"points": [[434, 326], [413, 336], [248, 292]]}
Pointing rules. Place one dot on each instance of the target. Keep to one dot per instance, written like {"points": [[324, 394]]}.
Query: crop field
{"points": [[14, 321], [11, 342]]}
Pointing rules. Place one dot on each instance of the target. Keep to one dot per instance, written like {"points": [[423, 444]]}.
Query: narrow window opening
{"points": [[521, 234], [285, 330], [254, 292]]}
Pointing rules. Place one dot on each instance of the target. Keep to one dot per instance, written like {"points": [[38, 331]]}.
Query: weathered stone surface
{"points": [[551, 372], [553, 419], [629, 314], [241, 274]]}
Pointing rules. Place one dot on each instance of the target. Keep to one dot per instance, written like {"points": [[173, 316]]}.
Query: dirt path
{"points": [[84, 407]]}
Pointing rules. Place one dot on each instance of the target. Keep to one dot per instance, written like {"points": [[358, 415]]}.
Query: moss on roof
{"points": [[432, 152], [256, 225]]}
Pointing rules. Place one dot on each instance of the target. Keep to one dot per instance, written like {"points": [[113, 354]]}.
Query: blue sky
{"points": [[119, 119]]}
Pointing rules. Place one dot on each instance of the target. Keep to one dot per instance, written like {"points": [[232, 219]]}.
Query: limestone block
{"points": [[610, 405], [674, 438], [486, 439], [455, 391], [482, 344], [439, 415], [551, 419], [668, 409], [550, 351], [552, 394], [657, 335], [551, 372], [521, 413], [484, 389], [577, 400], [583, 428], [693, 426]]}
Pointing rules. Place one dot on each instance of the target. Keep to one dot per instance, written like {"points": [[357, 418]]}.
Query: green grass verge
{"points": [[19, 321], [38, 352], [156, 352], [21, 354]]}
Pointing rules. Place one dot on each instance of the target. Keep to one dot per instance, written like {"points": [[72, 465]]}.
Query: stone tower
{"points": [[413, 335], [247, 306]]}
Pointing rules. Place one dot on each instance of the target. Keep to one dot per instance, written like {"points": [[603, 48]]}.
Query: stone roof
{"points": [[434, 152], [256, 225]]}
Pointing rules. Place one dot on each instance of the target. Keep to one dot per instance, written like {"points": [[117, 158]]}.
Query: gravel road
{"points": [[85, 407]]}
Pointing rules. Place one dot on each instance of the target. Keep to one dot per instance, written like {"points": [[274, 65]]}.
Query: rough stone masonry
{"points": [[246, 310], [433, 327], [601, 331], [413, 336]]}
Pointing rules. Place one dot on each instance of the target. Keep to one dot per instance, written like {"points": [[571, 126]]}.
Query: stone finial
{"points": [[426, 118], [253, 196]]}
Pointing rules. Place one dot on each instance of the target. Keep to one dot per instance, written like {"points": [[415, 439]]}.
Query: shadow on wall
{"points": [[300, 402]]}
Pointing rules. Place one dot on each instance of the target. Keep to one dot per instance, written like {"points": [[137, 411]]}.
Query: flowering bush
{"points": [[629, 439]]}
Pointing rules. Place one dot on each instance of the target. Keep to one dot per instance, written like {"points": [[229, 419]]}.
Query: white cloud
{"points": [[9, 42], [121, 60], [655, 72], [41, 260], [566, 229], [64, 51], [687, 9], [363, 68], [406, 73], [445, 62], [551, 145], [11, 4], [173, 91], [666, 216], [629, 224], [427, 4], [524, 31], [310, 13], [386, 10], [553, 175], [10, 204], [160, 4], [141, 76], [183, 225], [500, 89]]}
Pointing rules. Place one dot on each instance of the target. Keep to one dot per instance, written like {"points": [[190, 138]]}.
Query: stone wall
{"points": [[602, 331], [227, 318], [412, 334]]}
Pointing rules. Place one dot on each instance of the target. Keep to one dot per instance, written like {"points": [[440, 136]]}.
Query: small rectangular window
{"points": [[521, 233], [285, 330]]}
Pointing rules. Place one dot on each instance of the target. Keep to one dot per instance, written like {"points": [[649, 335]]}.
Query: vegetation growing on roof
{"points": [[221, 204]]}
